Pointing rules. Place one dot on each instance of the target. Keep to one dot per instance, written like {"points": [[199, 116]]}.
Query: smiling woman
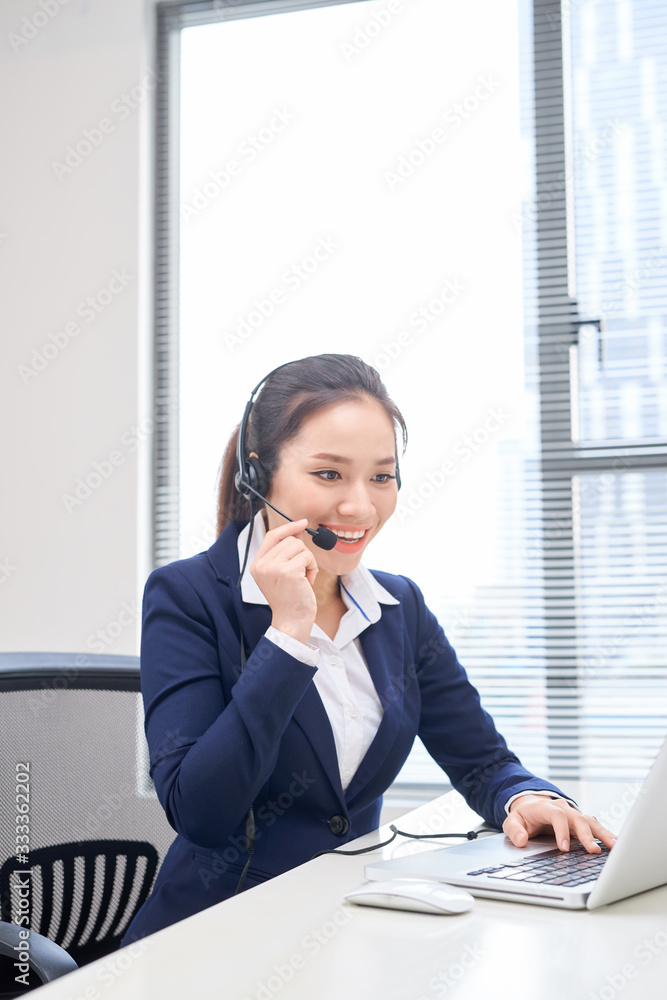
{"points": [[310, 667]]}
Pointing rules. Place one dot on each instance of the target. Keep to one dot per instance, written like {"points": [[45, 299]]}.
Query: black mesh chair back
{"points": [[91, 827], [79, 893]]}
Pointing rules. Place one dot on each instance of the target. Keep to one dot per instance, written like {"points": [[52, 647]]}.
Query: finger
{"points": [[608, 837], [290, 555], [515, 829], [276, 535], [303, 561], [274, 560], [283, 550], [533, 815], [561, 826], [580, 826], [589, 830]]}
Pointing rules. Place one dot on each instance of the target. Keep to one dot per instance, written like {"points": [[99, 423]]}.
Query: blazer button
{"points": [[339, 825]]}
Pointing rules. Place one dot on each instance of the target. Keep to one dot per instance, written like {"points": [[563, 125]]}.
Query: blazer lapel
{"points": [[254, 619], [311, 716], [383, 648]]}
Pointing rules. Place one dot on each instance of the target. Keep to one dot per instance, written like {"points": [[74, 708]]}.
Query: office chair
{"points": [[75, 765], [46, 960]]}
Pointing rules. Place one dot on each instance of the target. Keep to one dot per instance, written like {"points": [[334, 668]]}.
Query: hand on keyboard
{"points": [[535, 815]]}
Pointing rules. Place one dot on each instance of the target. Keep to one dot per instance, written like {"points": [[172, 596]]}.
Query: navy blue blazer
{"points": [[221, 740]]}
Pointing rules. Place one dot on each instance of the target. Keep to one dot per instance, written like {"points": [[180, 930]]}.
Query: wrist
{"points": [[296, 630]]}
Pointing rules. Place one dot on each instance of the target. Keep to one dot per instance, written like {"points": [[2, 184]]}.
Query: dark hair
{"points": [[288, 396]]}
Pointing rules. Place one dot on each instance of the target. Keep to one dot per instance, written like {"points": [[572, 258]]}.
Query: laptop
{"points": [[492, 867]]}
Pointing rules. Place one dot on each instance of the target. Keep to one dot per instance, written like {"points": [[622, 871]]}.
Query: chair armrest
{"points": [[46, 957]]}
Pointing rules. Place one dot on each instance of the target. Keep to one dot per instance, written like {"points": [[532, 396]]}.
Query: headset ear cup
{"points": [[257, 476], [398, 477]]}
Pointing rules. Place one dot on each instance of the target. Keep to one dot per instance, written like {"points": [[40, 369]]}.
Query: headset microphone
{"points": [[322, 537]]}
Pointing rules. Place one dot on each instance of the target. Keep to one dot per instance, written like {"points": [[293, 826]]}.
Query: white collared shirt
{"points": [[342, 680]]}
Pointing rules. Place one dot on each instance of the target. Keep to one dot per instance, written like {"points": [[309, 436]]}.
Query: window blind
{"points": [[570, 652]]}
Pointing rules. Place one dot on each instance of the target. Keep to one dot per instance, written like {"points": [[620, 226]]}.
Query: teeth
{"points": [[350, 535]]}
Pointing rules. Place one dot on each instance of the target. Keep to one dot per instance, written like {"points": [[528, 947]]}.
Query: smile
{"points": [[348, 537]]}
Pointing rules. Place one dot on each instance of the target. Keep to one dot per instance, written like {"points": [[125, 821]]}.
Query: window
{"points": [[385, 179], [599, 228]]}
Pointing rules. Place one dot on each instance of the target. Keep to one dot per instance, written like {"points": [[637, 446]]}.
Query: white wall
{"points": [[69, 569]]}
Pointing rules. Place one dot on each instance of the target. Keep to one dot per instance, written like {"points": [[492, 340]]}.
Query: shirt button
{"points": [[352, 712], [333, 660]]}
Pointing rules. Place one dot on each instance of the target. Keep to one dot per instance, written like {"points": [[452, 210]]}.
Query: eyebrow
{"points": [[341, 460]]}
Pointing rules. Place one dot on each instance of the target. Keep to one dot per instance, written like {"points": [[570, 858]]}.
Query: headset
{"points": [[251, 479]]}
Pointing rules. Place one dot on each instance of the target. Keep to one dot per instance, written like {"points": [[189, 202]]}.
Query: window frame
{"points": [[557, 325]]}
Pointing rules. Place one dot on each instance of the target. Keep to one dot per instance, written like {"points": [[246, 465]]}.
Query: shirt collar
{"points": [[360, 589]]}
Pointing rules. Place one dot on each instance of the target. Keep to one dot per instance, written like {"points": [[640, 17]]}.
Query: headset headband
{"points": [[245, 474]]}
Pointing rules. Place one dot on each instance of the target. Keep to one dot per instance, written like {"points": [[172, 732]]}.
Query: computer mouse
{"points": [[422, 896]]}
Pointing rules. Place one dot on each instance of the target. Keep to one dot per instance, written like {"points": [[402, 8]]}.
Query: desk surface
{"points": [[295, 937]]}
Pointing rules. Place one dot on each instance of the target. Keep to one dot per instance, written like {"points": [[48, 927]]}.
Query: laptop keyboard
{"points": [[573, 867]]}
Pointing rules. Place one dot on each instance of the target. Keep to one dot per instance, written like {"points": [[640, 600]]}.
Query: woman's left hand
{"points": [[532, 815]]}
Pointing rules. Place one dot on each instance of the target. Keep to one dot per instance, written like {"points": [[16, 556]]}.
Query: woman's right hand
{"points": [[285, 570]]}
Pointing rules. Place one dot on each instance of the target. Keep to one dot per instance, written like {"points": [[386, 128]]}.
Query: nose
{"points": [[355, 501]]}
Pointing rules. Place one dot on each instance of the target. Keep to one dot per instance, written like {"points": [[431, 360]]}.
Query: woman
{"points": [[282, 702]]}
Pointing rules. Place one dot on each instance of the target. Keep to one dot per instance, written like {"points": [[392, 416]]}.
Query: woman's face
{"points": [[338, 472]]}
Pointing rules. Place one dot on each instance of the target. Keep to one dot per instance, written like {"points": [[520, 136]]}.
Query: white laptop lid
{"points": [[638, 860], [641, 861]]}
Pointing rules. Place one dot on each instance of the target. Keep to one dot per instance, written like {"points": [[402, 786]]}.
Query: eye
{"points": [[328, 475], [383, 477]]}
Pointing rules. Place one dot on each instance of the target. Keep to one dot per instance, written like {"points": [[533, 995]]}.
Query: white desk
{"points": [[295, 937]]}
